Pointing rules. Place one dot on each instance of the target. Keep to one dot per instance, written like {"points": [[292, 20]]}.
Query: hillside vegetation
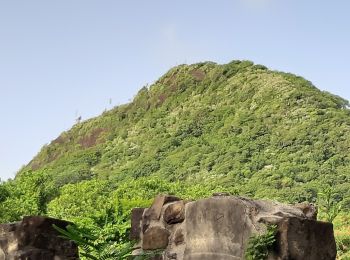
{"points": [[200, 128]]}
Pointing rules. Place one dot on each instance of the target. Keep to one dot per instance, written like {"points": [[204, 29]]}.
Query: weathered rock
{"points": [[171, 255], [156, 257], [145, 222], [155, 238], [154, 212], [2, 254], [309, 210], [174, 213], [136, 217], [35, 254], [220, 228], [301, 239], [216, 228], [35, 238], [179, 237]]}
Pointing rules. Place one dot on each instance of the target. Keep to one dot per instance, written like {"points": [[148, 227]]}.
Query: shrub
{"points": [[259, 245]]}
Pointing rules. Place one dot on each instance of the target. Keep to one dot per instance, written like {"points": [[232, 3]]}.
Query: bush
{"points": [[259, 245]]}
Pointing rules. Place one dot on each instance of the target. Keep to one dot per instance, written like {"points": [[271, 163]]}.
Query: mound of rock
{"points": [[220, 227], [34, 238]]}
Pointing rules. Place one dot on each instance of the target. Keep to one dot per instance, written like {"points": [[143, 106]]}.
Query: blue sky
{"points": [[59, 59]]}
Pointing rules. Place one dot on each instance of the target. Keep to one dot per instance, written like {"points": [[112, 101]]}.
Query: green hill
{"points": [[200, 128]]}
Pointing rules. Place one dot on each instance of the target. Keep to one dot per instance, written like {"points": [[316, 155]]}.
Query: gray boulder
{"points": [[221, 226]]}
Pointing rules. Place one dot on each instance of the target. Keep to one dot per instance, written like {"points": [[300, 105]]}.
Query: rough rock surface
{"points": [[215, 229], [136, 217], [34, 238], [154, 212], [175, 212], [305, 239], [220, 227], [155, 238]]}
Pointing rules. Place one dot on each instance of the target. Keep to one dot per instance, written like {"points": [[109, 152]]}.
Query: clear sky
{"points": [[60, 59]]}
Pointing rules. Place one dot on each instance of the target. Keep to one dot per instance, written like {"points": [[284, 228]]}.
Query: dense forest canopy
{"points": [[200, 128]]}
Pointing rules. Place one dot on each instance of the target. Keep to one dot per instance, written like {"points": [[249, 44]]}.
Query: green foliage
{"points": [[4, 193], [78, 200], [99, 247], [92, 248], [343, 247], [259, 245], [27, 195], [199, 129], [329, 206], [342, 234]]}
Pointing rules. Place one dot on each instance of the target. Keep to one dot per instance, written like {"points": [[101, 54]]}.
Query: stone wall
{"points": [[220, 227], [34, 238]]}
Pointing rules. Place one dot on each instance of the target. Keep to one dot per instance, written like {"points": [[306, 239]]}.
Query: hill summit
{"points": [[237, 127]]}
